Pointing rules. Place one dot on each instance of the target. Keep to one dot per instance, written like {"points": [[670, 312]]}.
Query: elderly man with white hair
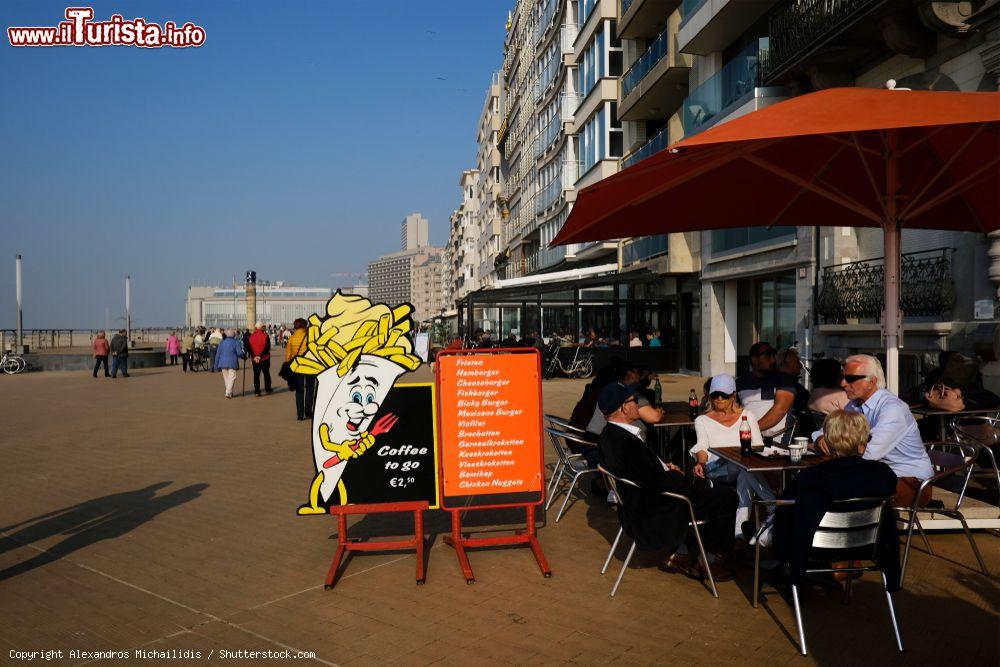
{"points": [[895, 439], [227, 360]]}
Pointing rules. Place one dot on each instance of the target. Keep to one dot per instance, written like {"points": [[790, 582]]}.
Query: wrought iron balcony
{"points": [[856, 290], [797, 27]]}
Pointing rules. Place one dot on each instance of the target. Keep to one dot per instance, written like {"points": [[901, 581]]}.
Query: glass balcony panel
{"points": [[714, 97], [644, 247], [659, 141], [654, 53], [567, 35]]}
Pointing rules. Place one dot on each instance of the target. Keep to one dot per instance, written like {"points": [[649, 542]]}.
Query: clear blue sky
{"points": [[293, 143]]}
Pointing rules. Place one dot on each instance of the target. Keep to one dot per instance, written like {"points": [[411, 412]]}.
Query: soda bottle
{"points": [[658, 391], [694, 405], [745, 437]]}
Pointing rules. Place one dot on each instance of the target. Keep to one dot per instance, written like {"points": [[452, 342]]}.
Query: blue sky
{"points": [[293, 143]]}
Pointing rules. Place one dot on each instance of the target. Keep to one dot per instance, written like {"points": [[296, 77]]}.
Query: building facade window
{"points": [[601, 137], [741, 237]]}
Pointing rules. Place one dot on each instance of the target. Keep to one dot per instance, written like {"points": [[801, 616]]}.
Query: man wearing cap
{"points": [[657, 521], [260, 351]]}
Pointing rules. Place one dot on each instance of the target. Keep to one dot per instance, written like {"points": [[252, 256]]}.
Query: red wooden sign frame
{"points": [[528, 536], [344, 544]]}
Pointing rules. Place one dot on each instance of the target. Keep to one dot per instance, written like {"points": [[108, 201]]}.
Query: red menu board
{"points": [[490, 427]]}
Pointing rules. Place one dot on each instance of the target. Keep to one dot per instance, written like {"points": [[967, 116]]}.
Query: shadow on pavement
{"points": [[86, 523]]}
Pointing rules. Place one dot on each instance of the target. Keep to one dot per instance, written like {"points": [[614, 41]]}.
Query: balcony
{"points": [[723, 91], [549, 195], [642, 19], [659, 141], [567, 35], [855, 291], [709, 26], [656, 83], [544, 259], [643, 248], [546, 77], [568, 104], [801, 32], [548, 137], [549, 11]]}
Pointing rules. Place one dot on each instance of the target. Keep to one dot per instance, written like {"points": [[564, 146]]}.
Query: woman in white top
{"points": [[720, 427]]}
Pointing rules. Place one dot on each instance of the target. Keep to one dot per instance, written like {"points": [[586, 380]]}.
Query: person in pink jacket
{"points": [[173, 347], [101, 351]]}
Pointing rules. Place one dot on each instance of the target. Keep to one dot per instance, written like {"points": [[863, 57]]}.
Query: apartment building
{"points": [[413, 276], [801, 285], [489, 186], [461, 263]]}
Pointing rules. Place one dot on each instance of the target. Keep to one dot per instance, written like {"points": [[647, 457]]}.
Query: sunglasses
{"points": [[719, 395], [765, 353], [851, 379]]}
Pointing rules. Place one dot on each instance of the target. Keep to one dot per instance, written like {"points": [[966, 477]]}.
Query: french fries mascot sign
{"points": [[357, 352]]}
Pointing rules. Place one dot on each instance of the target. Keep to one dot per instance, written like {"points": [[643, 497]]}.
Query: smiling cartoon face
{"points": [[347, 405]]}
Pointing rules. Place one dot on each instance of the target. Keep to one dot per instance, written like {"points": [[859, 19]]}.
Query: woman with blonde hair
{"points": [[101, 351]]}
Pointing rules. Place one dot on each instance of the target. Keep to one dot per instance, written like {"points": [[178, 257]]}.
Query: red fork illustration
{"points": [[381, 426]]}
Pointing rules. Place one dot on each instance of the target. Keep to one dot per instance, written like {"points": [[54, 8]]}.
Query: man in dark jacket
{"points": [[119, 354], [653, 520], [260, 354]]}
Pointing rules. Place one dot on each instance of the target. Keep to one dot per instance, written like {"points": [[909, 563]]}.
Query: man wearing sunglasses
{"points": [[895, 438], [657, 521], [765, 392]]}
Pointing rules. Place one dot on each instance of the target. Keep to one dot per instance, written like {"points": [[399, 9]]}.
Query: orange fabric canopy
{"points": [[822, 159]]}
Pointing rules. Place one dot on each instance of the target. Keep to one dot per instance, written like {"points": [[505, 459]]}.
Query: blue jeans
{"points": [[119, 362], [749, 485]]}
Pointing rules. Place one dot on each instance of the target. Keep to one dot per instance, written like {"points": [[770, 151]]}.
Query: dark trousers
{"points": [[98, 360], [173, 359], [717, 506], [263, 367], [185, 361], [305, 387], [119, 361]]}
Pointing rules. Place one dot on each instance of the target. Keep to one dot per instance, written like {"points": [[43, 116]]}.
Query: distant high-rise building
{"points": [[413, 232], [412, 276]]}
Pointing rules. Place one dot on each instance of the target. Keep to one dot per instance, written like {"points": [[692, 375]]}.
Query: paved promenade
{"points": [[152, 513]]}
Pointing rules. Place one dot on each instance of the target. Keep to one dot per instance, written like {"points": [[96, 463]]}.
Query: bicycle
{"points": [[579, 367], [199, 360], [12, 364]]}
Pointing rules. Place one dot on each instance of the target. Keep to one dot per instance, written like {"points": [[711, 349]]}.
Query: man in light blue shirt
{"points": [[895, 439]]}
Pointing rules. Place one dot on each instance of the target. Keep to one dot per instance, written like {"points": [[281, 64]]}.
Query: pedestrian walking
{"points": [[101, 351], [260, 352], [173, 347], [227, 360], [214, 340], [304, 385], [119, 354], [187, 347]]}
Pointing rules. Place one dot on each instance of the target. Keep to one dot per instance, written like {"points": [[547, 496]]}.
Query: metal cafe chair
{"points": [[613, 483], [949, 460], [983, 432], [560, 424], [847, 532], [570, 467]]}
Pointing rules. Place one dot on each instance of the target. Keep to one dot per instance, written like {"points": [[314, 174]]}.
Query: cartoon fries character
{"points": [[356, 353]]}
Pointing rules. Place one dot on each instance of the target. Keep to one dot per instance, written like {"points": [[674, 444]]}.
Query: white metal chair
{"points": [[613, 483], [560, 423], [949, 459], [849, 531], [570, 467], [983, 432]]}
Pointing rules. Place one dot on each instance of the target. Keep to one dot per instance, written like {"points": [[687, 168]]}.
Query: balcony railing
{"points": [[547, 76], [586, 8], [654, 53], [567, 35], [548, 136], [856, 290], [797, 26], [725, 88], [570, 173], [549, 195], [625, 5], [659, 141], [644, 247], [545, 20], [544, 258], [568, 104]]}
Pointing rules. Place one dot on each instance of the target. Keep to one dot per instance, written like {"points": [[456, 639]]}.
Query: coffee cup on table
{"points": [[797, 448]]}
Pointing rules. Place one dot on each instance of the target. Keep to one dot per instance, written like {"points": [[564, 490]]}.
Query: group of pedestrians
{"points": [[116, 349]]}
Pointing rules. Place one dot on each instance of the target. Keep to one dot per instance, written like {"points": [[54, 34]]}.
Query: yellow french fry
{"points": [[315, 321], [348, 363], [401, 311]]}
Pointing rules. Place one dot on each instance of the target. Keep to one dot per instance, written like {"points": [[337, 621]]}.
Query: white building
{"points": [[413, 232], [277, 303]]}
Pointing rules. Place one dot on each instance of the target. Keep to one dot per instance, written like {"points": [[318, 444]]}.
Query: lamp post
{"points": [[20, 330], [128, 310]]}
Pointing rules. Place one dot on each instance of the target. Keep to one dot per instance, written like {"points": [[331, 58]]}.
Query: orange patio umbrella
{"points": [[851, 157]]}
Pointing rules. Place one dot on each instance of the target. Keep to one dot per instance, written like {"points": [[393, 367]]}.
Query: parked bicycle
{"points": [[580, 366], [12, 364]]}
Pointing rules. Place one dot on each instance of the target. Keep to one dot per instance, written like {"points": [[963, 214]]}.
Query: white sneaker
{"points": [[612, 498]]}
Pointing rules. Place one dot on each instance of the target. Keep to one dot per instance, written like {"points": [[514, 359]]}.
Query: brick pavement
{"points": [[151, 512]]}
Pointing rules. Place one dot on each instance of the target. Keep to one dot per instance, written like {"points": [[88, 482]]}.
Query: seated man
{"points": [[787, 361], [895, 439], [765, 392], [628, 375], [848, 475], [659, 522]]}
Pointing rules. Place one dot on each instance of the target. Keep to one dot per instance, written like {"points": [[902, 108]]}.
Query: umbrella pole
{"points": [[892, 317]]}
